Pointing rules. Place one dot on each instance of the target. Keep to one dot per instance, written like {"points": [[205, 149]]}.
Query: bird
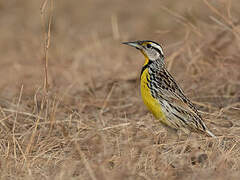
{"points": [[162, 95]]}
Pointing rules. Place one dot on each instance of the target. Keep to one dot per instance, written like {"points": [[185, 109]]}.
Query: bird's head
{"points": [[151, 50]]}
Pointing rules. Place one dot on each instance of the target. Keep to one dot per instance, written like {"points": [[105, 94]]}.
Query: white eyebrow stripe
{"points": [[158, 47]]}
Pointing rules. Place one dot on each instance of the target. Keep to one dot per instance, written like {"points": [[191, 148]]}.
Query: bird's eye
{"points": [[149, 46]]}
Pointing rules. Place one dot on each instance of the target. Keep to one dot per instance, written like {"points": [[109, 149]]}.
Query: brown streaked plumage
{"points": [[163, 96]]}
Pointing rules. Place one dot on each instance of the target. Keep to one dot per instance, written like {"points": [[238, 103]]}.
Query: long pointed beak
{"points": [[133, 44]]}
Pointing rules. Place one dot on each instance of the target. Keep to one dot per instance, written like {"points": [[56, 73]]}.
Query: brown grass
{"points": [[70, 105]]}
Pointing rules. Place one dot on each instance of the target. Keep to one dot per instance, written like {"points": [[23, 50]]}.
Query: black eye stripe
{"points": [[158, 50]]}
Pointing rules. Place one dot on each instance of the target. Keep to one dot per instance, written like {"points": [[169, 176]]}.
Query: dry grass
{"points": [[87, 120]]}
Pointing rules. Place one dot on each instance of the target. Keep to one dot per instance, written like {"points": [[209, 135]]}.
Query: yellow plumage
{"points": [[151, 103]]}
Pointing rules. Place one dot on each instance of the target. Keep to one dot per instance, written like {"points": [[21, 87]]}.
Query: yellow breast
{"points": [[152, 104]]}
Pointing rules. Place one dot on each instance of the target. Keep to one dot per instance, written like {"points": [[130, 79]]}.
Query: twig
{"points": [[228, 21], [14, 124], [23, 113], [85, 162], [115, 28], [47, 38], [115, 126], [107, 99]]}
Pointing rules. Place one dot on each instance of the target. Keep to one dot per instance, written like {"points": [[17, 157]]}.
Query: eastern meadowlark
{"points": [[163, 96]]}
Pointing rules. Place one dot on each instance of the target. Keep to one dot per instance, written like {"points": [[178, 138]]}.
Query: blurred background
{"points": [[92, 123], [86, 37]]}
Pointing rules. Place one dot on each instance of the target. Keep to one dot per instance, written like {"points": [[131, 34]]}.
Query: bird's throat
{"points": [[145, 65], [146, 61], [146, 58]]}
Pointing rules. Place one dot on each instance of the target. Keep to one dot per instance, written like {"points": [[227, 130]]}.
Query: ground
{"points": [[89, 121]]}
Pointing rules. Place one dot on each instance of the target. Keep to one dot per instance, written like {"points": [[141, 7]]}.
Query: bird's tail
{"points": [[209, 133]]}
